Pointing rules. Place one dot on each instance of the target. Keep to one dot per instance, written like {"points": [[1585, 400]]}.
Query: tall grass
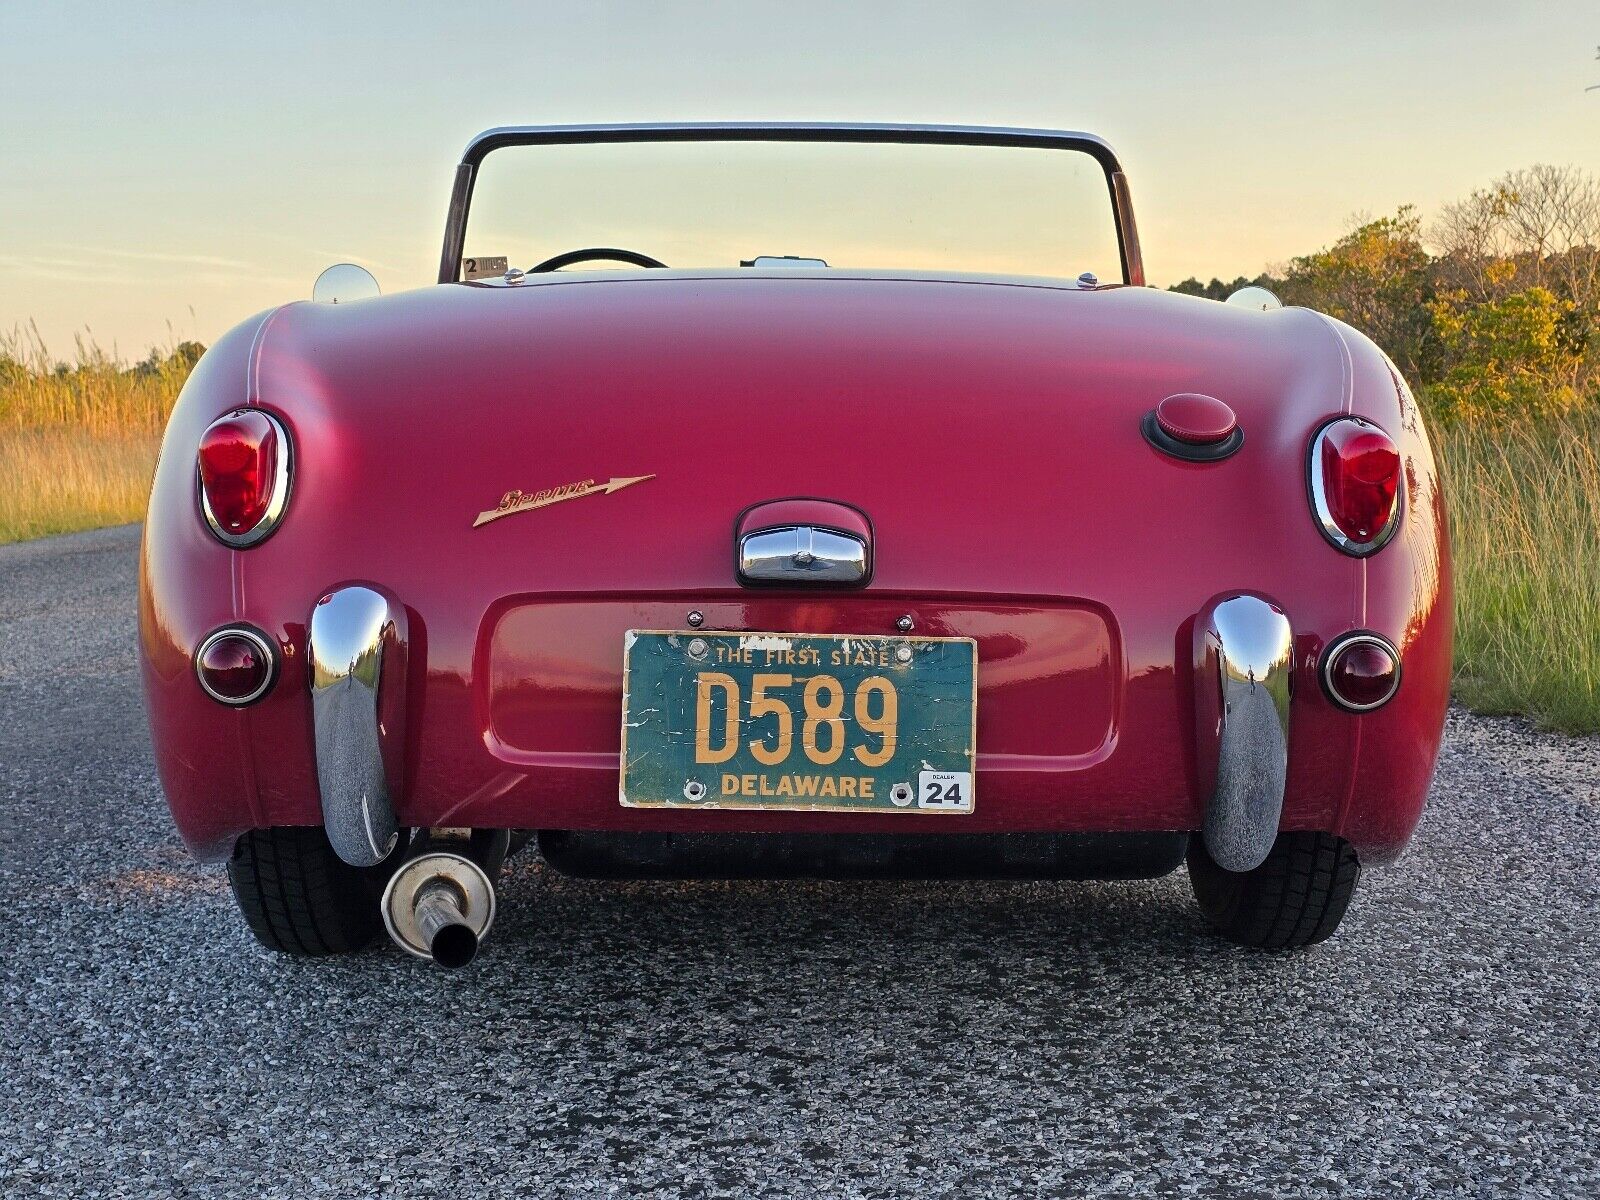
{"points": [[60, 481], [78, 441], [1525, 520]]}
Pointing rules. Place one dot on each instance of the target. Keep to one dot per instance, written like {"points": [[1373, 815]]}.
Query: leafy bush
{"points": [[1499, 321], [1508, 358], [1375, 278]]}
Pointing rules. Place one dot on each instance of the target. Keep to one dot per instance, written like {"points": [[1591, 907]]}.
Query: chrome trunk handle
{"points": [[803, 541], [802, 554]]}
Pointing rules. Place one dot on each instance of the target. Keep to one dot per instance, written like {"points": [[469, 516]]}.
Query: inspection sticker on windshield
{"points": [[483, 267]]}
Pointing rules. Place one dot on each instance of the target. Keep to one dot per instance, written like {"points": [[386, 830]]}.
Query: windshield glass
{"points": [[987, 209]]}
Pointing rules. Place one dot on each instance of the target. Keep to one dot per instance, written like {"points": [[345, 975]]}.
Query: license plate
{"points": [[798, 722]]}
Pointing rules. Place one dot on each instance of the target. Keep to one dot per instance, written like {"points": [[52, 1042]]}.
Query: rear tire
{"points": [[300, 898], [1295, 898]]}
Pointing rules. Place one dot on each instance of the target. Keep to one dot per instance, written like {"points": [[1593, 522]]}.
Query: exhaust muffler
{"points": [[439, 906]]}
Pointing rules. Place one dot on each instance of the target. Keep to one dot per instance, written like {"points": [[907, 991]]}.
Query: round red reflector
{"points": [[1196, 419], [1358, 468], [1361, 672], [243, 475], [235, 666]]}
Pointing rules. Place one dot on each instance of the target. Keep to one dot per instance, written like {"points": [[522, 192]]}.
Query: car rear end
{"points": [[505, 499]]}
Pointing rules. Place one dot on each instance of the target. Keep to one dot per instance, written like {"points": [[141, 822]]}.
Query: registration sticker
{"points": [[946, 791]]}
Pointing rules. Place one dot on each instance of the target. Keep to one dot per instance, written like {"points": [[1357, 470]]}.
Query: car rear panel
{"points": [[990, 431], [551, 677]]}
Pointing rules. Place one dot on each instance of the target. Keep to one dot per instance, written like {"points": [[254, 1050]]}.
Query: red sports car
{"points": [[860, 534]]}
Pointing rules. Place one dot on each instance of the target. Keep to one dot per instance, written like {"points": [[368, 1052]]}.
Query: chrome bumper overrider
{"points": [[349, 631], [1244, 653]]}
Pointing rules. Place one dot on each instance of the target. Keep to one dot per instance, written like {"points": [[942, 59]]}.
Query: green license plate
{"points": [[798, 722]]}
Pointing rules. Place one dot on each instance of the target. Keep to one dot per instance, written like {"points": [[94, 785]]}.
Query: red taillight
{"points": [[236, 665], [244, 475], [1355, 484], [1361, 671]]}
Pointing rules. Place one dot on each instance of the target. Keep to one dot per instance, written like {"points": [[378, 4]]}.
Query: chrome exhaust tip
{"points": [[439, 906]]}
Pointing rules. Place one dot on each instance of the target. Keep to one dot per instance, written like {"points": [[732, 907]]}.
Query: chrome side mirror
{"points": [[1258, 298], [344, 282]]}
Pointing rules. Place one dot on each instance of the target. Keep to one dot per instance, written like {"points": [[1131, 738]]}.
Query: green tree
{"points": [[1218, 290], [185, 355], [1375, 278], [176, 363]]}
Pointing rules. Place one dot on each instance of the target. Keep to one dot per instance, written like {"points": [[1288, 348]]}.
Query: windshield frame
{"points": [[455, 229]]}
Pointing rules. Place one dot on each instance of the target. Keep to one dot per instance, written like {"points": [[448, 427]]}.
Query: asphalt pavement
{"points": [[785, 1039]]}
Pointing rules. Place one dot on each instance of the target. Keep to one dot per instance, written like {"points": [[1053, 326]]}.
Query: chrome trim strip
{"points": [[277, 502], [1251, 645], [250, 634], [802, 554], [1319, 496], [788, 131], [345, 647], [1361, 637]]}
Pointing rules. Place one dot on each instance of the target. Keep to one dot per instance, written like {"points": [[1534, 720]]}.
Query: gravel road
{"points": [[835, 1039]]}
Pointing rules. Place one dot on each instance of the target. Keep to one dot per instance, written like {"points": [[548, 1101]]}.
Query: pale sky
{"points": [[185, 165]]}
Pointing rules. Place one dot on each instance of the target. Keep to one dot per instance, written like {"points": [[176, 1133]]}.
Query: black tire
{"points": [[300, 898], [1296, 898]]}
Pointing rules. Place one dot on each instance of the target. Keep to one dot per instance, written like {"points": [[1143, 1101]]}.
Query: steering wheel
{"points": [[597, 254]]}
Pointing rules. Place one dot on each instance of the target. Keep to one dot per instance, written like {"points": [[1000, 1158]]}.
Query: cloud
{"points": [[104, 266], [156, 256], [329, 257], [197, 271]]}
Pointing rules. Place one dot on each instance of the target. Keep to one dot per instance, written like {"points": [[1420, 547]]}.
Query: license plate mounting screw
{"points": [[902, 654], [900, 794], [698, 648], [905, 624], [696, 618], [694, 790]]}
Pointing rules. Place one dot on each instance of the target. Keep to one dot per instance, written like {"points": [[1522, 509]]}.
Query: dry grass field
{"points": [[78, 446], [60, 480], [78, 442]]}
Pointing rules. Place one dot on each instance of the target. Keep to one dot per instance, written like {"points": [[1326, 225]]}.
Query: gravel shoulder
{"points": [[785, 1039]]}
